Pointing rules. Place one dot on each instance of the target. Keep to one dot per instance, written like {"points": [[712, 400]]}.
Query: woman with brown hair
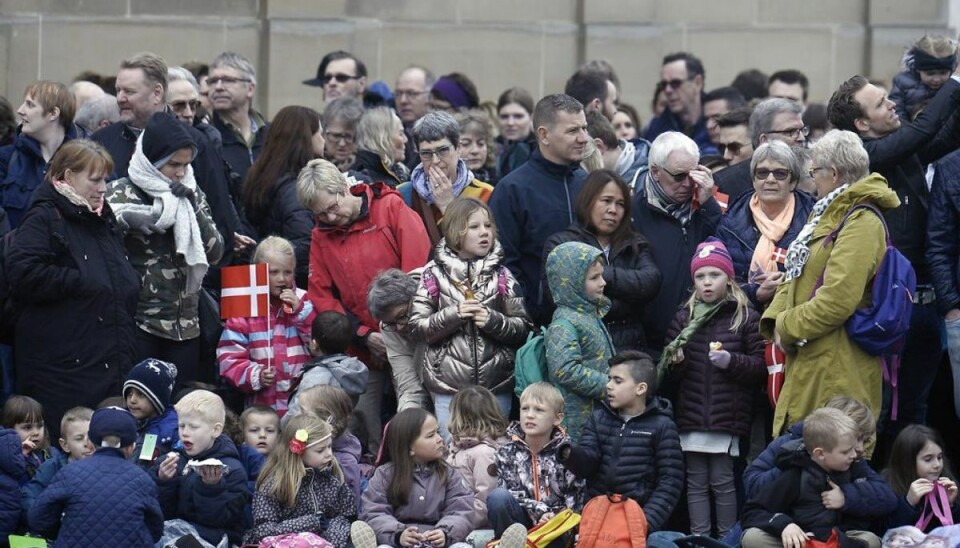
{"points": [[603, 221], [270, 191]]}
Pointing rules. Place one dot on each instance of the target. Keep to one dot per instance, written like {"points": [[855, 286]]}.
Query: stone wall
{"points": [[498, 43]]}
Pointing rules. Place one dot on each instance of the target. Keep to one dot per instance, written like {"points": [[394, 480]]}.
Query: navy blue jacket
{"points": [[640, 458], [735, 181], [868, 495], [42, 479], [103, 500], [672, 246], [70, 272], [529, 205], [668, 121], [164, 426], [943, 233], [908, 514], [739, 233], [22, 169], [214, 510], [13, 471], [285, 216]]}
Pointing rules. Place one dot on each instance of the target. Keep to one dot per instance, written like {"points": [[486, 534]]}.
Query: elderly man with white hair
{"points": [[675, 209]]}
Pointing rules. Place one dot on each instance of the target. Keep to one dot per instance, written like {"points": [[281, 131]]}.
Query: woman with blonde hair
{"points": [[380, 147]]}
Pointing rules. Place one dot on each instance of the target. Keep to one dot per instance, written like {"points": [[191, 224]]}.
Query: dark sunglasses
{"points": [[733, 147], [677, 177], [339, 77], [761, 174], [673, 84], [180, 105]]}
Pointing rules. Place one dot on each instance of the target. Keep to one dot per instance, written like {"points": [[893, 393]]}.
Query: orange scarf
{"points": [[771, 231]]}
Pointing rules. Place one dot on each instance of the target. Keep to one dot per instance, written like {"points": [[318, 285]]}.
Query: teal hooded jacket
{"points": [[577, 359]]}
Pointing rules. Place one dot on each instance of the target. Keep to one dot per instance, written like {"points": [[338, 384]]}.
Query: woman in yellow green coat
{"points": [[822, 361]]}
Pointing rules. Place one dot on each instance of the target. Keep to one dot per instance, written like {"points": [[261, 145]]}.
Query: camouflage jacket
{"points": [[164, 308], [540, 483]]}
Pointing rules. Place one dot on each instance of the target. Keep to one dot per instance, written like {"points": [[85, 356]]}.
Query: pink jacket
{"points": [[246, 344], [475, 459]]}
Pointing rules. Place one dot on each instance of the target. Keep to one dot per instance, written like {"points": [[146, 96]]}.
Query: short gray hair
{"points": [[375, 130], [97, 110], [179, 73], [392, 287], [761, 121], [345, 109], [671, 141], [235, 61], [843, 151], [434, 126], [781, 153], [316, 177]]}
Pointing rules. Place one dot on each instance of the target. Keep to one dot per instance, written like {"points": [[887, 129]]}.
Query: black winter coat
{"points": [[711, 399], [943, 233], [672, 247], [640, 459], [735, 181], [238, 155], [286, 217], [632, 281], [78, 295]]}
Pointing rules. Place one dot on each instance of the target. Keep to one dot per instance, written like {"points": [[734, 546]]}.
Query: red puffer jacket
{"points": [[712, 399]]}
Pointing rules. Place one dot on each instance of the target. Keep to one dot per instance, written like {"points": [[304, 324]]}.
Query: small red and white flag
{"points": [[779, 255], [246, 291], [776, 363]]}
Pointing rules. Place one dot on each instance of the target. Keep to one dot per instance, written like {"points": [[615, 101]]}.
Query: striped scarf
{"points": [[799, 252]]}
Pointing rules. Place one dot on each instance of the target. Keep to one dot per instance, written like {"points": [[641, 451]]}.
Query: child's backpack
{"points": [[612, 521], [881, 329], [530, 362]]}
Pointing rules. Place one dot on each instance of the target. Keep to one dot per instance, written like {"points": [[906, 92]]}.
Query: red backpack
{"points": [[612, 521]]}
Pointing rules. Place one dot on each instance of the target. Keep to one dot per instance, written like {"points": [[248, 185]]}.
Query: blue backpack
{"points": [[881, 328]]}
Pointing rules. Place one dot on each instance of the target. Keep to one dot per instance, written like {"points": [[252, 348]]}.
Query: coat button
{"points": [[421, 497]]}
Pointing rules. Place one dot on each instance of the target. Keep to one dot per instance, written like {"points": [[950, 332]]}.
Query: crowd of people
{"points": [[684, 286]]}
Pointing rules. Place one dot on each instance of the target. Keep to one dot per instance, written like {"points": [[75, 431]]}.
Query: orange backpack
{"points": [[612, 521]]}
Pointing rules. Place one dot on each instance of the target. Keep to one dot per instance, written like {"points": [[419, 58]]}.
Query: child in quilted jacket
{"points": [[25, 415], [926, 67], [13, 472], [300, 492], [477, 429], [74, 444], [266, 363], [716, 351]]}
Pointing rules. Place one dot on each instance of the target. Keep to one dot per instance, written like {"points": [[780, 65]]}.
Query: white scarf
{"points": [[169, 211], [799, 252]]}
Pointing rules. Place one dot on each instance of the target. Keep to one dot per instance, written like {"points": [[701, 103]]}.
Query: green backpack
{"points": [[530, 363]]}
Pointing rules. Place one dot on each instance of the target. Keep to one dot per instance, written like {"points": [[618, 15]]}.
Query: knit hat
{"points": [[712, 253], [113, 421], [155, 379], [163, 136]]}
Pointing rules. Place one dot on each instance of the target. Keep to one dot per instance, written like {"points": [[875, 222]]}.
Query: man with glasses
{"points": [[733, 136], [232, 82], [682, 77], [773, 119], [340, 74], [717, 103], [901, 153], [340, 120], [413, 101], [675, 209], [183, 98]]}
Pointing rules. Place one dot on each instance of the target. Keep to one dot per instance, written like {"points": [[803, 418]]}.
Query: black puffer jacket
{"points": [[711, 399], [943, 233], [285, 216], [639, 458], [632, 281]]}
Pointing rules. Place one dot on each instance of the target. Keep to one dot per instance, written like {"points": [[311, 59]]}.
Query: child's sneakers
{"points": [[514, 537], [362, 535]]}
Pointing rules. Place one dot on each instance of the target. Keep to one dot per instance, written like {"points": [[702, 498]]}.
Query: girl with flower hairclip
{"points": [[300, 491]]}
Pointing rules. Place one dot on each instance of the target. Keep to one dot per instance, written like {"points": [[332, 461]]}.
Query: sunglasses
{"points": [[339, 77], [180, 105], [677, 177], [734, 148], [761, 174], [675, 83]]}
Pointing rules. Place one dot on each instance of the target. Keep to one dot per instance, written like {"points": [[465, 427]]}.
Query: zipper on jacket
{"points": [[475, 331], [535, 468]]}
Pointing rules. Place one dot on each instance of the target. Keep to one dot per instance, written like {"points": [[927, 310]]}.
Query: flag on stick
{"points": [[246, 291]]}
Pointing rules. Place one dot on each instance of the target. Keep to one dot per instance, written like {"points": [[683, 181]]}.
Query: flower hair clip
{"points": [[299, 442]]}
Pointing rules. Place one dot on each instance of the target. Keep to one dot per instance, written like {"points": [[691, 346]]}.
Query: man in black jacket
{"points": [[233, 82], [901, 153]]}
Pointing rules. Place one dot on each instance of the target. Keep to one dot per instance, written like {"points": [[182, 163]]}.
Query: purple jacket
{"points": [[347, 451]]}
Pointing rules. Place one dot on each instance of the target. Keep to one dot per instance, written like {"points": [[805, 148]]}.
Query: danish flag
{"points": [[779, 255], [246, 291], [776, 363]]}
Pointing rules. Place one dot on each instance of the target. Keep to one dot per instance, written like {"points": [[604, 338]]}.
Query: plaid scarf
{"points": [[799, 252]]}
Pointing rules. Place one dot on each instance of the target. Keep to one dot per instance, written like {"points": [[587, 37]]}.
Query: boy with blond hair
{"points": [[807, 500], [209, 498], [74, 444]]}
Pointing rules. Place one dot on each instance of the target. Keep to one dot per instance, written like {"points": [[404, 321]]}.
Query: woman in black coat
{"points": [[270, 190], [603, 221], [75, 290]]}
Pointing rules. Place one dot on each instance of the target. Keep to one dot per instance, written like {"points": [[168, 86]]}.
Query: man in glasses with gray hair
{"points": [[682, 77]]}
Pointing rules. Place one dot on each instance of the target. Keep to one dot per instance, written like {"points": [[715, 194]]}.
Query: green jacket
{"points": [[830, 364], [577, 360]]}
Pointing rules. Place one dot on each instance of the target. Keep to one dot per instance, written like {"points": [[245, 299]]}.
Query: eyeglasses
{"points": [[339, 77], [400, 322], [813, 171], [408, 93], [792, 133], [734, 147], [780, 174], [677, 177], [428, 155], [675, 83], [329, 210], [226, 80], [337, 137], [180, 105]]}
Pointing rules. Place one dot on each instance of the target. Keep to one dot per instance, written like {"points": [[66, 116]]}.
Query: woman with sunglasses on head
{"points": [[760, 225]]}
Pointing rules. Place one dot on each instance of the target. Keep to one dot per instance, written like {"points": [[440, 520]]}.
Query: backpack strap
{"points": [[836, 233], [636, 523], [593, 517]]}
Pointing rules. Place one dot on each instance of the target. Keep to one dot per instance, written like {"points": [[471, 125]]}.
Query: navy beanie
{"points": [[163, 136], [154, 378], [113, 421]]}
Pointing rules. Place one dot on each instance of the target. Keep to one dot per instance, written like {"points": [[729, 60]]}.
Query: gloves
{"points": [[181, 191], [719, 358], [140, 222]]}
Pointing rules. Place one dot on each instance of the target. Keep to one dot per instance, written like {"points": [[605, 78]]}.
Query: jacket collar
{"points": [[559, 171]]}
